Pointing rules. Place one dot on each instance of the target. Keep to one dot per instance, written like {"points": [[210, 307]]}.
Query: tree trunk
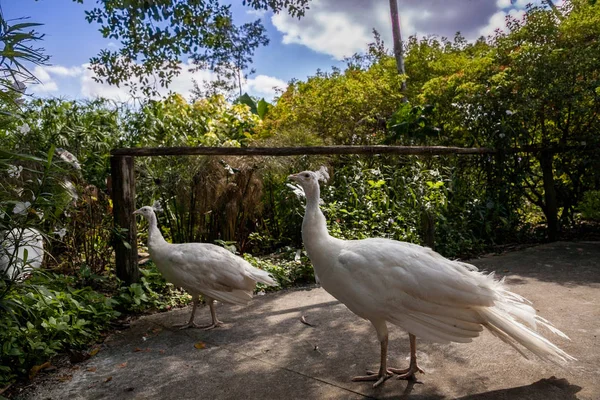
{"points": [[551, 209], [125, 235], [397, 37]]}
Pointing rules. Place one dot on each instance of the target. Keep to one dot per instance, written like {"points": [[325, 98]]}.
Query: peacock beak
{"points": [[136, 212], [294, 177]]}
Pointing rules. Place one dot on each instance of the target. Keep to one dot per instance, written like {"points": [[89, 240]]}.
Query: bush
{"points": [[590, 205], [152, 293], [47, 315], [289, 267]]}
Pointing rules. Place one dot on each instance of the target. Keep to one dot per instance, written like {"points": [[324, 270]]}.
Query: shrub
{"points": [[590, 205], [48, 314]]}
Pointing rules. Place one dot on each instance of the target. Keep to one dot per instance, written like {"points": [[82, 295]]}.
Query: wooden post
{"points": [[124, 237], [428, 228]]}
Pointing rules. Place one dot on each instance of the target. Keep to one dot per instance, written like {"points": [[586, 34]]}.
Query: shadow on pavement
{"points": [[565, 263]]}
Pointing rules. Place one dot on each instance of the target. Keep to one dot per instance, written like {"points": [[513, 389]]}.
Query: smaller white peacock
{"points": [[203, 269], [417, 289]]}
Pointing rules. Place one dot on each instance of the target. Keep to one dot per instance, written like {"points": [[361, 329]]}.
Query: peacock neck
{"points": [[155, 238], [314, 226]]}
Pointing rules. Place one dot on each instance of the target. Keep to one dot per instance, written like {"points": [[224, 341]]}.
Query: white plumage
{"points": [[203, 269], [29, 253], [417, 289]]}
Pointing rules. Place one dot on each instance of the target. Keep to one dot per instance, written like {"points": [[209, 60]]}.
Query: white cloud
{"points": [[522, 4], [182, 84], [47, 83], [79, 82], [331, 33], [265, 86], [498, 21], [63, 71], [257, 13], [41, 73], [503, 3], [90, 88]]}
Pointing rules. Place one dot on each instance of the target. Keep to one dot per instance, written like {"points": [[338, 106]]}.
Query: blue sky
{"points": [[330, 30]]}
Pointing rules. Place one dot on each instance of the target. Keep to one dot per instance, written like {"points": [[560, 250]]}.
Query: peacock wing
{"points": [[418, 289], [206, 266]]}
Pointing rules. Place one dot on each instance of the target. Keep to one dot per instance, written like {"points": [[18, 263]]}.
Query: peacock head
{"points": [[308, 180], [146, 211]]}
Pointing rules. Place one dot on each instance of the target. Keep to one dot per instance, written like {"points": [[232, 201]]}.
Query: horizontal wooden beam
{"points": [[297, 151], [332, 150]]}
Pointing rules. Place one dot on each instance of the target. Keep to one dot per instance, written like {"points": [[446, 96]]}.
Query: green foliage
{"points": [[288, 267], [175, 122], [249, 101], [411, 124], [156, 36], [230, 62], [349, 107], [380, 201], [35, 193], [262, 108], [49, 315], [204, 198], [16, 54], [152, 293], [88, 130], [590, 205], [534, 85]]}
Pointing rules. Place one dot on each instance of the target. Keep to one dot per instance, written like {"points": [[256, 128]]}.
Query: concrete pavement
{"points": [[264, 351]]}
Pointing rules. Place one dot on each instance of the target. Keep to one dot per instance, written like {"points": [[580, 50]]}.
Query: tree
{"points": [[397, 37], [535, 85], [341, 107], [231, 59], [156, 36]]}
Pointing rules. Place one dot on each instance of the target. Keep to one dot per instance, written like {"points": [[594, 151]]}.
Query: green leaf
{"points": [[50, 155], [262, 108], [247, 100], [23, 25], [7, 155]]}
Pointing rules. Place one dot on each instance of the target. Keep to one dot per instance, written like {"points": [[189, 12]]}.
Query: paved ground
{"points": [[265, 352]]}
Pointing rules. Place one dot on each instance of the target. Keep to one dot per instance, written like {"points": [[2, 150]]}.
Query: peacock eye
{"points": [[306, 175]]}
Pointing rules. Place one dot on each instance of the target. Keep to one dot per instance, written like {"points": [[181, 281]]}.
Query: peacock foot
{"points": [[378, 377], [214, 325], [186, 325], [407, 373]]}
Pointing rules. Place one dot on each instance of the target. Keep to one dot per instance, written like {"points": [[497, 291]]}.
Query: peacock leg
{"points": [[213, 313], [191, 322], [384, 374], [413, 368]]}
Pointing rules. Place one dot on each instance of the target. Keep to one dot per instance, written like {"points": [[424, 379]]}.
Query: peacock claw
{"points": [[407, 373], [186, 325], [373, 376], [195, 325], [211, 326]]}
